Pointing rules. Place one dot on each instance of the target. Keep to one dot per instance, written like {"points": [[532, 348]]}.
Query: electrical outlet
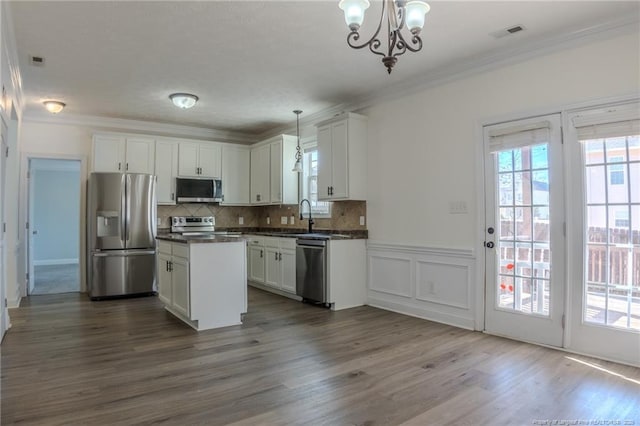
{"points": [[240, 220], [292, 220], [361, 220], [159, 221], [268, 220], [458, 207], [283, 220]]}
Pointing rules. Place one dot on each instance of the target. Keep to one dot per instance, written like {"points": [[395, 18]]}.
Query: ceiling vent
{"points": [[507, 31], [37, 61]]}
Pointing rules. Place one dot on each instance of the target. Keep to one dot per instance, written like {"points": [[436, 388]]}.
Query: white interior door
{"points": [[31, 232], [604, 147], [524, 286], [3, 263]]}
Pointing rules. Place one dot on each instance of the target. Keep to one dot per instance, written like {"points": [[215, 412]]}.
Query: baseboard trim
{"points": [[49, 262], [13, 300]]}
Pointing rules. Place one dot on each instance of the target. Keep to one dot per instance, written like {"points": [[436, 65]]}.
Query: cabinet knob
{"points": [[276, 256], [260, 253], [119, 166], [127, 168], [280, 256], [172, 196]]}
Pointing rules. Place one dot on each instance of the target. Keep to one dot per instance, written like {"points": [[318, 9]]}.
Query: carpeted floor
{"points": [[51, 279]]}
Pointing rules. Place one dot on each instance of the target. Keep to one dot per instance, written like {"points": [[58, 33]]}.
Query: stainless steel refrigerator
{"points": [[121, 231]]}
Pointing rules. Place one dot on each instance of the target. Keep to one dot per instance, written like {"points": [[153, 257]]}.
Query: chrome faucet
{"points": [[311, 222]]}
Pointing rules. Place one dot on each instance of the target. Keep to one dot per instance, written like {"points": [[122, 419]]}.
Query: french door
{"points": [[604, 153], [524, 235]]}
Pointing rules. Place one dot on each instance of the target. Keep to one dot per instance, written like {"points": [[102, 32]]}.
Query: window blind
{"points": [[507, 138], [608, 123]]}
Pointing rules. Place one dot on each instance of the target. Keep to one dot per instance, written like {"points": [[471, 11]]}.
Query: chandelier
{"points": [[398, 13]]}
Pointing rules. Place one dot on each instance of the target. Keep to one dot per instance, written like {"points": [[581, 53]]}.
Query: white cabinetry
{"points": [[256, 263], [272, 178], [186, 286], [173, 276], [260, 174], [273, 263], [166, 170], [199, 159], [342, 152], [118, 153], [235, 175]]}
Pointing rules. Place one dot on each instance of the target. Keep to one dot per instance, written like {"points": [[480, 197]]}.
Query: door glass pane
{"points": [[612, 261], [524, 236], [595, 151]]}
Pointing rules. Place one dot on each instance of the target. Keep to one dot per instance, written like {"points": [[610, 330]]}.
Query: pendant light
{"points": [[298, 166]]}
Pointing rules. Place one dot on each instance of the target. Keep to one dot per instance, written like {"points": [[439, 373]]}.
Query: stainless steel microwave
{"points": [[199, 190]]}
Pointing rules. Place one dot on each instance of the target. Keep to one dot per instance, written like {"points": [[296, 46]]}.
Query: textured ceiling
{"points": [[253, 62]]}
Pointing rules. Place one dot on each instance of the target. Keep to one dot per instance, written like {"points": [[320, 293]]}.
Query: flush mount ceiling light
{"points": [[398, 14], [298, 166], [54, 107], [183, 100]]}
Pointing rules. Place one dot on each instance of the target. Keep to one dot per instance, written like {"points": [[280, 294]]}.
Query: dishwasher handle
{"points": [[321, 244]]}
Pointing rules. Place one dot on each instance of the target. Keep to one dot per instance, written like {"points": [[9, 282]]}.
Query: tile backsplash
{"points": [[345, 215]]}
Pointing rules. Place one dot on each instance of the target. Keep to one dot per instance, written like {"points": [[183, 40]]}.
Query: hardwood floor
{"points": [[67, 360]]}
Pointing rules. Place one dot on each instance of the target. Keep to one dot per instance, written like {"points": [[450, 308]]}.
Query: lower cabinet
{"points": [[203, 284], [173, 277], [272, 263]]}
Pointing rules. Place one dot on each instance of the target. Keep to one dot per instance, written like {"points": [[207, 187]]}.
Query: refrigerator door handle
{"points": [[123, 213], [128, 208]]}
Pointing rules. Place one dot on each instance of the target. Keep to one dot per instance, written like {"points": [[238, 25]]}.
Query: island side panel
{"points": [[218, 283], [347, 273]]}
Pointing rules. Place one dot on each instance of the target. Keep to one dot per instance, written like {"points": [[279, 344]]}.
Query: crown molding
{"points": [[147, 127], [473, 66]]}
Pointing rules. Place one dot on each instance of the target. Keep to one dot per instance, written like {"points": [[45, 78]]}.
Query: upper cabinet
{"points": [[342, 152], [166, 170], [200, 159], [115, 153], [235, 175], [260, 175], [272, 181]]}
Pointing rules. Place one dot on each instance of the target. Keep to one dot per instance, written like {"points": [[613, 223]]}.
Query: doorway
{"points": [[54, 226], [524, 239]]}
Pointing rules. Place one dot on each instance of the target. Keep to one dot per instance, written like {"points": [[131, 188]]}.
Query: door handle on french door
{"points": [[489, 244]]}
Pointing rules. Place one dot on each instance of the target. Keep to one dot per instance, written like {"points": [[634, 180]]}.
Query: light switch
{"points": [[283, 220], [241, 220], [268, 220], [361, 220], [292, 220]]}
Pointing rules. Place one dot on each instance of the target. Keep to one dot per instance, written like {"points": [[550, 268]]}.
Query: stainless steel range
{"points": [[193, 225]]}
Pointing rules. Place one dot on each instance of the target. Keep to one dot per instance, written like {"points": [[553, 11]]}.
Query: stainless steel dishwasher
{"points": [[311, 270]]}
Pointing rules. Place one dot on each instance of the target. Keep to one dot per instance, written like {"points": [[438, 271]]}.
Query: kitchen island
{"points": [[202, 280]]}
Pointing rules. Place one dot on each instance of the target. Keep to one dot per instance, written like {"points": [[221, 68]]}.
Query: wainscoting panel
{"points": [[427, 282], [390, 275]]}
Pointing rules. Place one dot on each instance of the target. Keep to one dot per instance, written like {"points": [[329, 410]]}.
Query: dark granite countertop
{"points": [[191, 239], [239, 233]]}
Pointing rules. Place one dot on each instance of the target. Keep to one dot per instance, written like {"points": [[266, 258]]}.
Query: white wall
{"points": [[56, 211], [422, 154], [422, 147]]}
